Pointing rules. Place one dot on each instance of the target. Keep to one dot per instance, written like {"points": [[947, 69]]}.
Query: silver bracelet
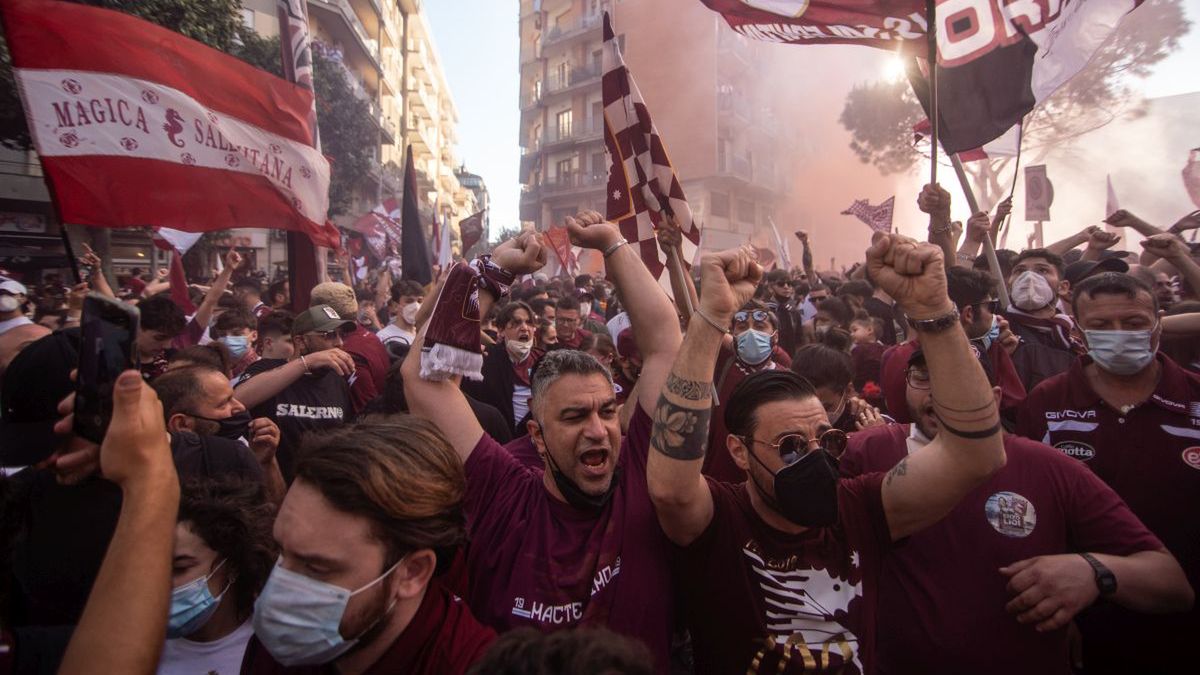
{"points": [[700, 313], [611, 249], [305, 364]]}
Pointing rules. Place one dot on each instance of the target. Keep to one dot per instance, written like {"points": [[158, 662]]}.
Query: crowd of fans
{"points": [[920, 464]]}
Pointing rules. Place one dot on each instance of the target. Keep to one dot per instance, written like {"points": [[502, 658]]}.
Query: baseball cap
{"points": [[319, 319], [14, 287], [36, 380], [1078, 271]]}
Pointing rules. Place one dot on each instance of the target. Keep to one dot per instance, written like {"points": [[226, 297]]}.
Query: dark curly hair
{"points": [[583, 651], [234, 518]]}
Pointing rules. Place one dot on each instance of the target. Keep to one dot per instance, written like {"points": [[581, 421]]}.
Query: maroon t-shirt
{"points": [[371, 364], [763, 601], [537, 561], [941, 594], [442, 639], [575, 340], [1150, 456]]}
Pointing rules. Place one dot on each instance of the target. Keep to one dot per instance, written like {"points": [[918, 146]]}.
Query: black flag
{"points": [[414, 251]]}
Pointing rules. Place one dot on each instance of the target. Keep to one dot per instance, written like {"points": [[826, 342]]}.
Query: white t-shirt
{"points": [[9, 324], [392, 332], [521, 395], [182, 656]]}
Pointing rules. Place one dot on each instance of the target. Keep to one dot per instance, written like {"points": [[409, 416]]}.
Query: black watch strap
{"points": [[1106, 581], [935, 325]]}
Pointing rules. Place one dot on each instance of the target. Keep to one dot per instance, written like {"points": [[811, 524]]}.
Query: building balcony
{"points": [[573, 183], [420, 99], [735, 167], [591, 129], [350, 22], [577, 77], [735, 52], [562, 34]]}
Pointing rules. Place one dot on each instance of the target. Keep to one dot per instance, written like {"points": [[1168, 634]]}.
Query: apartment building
{"points": [[705, 89]]}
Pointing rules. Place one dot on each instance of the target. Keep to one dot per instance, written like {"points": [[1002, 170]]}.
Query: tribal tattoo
{"points": [[688, 390], [679, 432]]}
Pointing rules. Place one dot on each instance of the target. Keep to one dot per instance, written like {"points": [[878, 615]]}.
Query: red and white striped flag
{"points": [[642, 186], [878, 218], [136, 125]]}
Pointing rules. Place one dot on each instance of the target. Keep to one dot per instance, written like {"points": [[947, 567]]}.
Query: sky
{"points": [[478, 45]]}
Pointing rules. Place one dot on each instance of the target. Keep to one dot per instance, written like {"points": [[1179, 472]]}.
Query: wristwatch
{"points": [[1106, 581], [935, 325]]}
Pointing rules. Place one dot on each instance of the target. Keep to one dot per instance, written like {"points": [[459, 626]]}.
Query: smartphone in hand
{"points": [[107, 347]]}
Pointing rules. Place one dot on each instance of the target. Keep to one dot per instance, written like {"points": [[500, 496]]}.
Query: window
{"points": [[599, 164], [720, 204], [596, 121], [563, 122], [562, 73], [597, 60], [564, 171], [559, 216], [745, 210]]}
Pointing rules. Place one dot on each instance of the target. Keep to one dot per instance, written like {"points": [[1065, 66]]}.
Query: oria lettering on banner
{"points": [[136, 125]]}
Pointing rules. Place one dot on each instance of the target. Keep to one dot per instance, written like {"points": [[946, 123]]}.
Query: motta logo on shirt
{"points": [[309, 412], [1010, 514], [1076, 450], [1191, 457]]}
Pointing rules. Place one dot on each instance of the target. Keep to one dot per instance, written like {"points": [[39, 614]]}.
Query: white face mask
{"points": [[518, 350], [409, 313], [1031, 291]]}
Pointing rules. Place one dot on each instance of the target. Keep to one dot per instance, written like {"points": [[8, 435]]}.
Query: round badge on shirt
{"points": [[1010, 514], [1191, 457]]}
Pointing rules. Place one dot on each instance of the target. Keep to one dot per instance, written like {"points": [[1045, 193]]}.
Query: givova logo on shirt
{"points": [[1010, 514]]}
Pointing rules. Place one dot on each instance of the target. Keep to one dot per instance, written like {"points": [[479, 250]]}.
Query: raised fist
{"points": [[233, 259], [1004, 208], [727, 281], [978, 227], [1166, 246], [523, 254], [935, 201], [589, 230], [913, 273], [1100, 240]]}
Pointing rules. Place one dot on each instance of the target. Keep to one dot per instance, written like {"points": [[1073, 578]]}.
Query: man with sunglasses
{"points": [[751, 348], [796, 550], [1015, 560], [309, 392], [782, 295]]}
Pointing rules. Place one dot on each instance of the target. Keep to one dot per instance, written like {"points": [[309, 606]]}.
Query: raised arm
{"points": [[935, 201], [121, 629], [1098, 242], [806, 257], [96, 279], [1067, 243], [442, 402], [1002, 210], [925, 486], [978, 227], [1172, 248], [651, 314], [205, 311], [680, 494], [670, 241]]}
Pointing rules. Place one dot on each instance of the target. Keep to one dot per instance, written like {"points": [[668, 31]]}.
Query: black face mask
{"points": [[805, 490], [574, 495], [234, 427]]}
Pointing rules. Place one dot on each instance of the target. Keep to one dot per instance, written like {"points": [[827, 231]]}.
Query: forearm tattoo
{"points": [[688, 390], [898, 470], [679, 432]]}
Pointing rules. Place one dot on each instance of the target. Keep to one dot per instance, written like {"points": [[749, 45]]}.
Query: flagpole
{"points": [[931, 45], [989, 249]]}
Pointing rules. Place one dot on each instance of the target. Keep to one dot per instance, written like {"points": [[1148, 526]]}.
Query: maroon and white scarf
{"points": [[452, 345]]}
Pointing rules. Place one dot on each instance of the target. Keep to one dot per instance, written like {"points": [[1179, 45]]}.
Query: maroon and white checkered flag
{"points": [[878, 218], [642, 185]]}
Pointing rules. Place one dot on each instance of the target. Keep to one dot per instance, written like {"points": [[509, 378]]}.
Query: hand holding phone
{"points": [[107, 347]]}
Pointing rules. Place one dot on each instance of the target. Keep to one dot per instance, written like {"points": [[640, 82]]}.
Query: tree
{"points": [[880, 115]]}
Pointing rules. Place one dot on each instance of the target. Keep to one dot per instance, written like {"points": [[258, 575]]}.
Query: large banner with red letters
{"points": [[137, 125], [996, 58]]}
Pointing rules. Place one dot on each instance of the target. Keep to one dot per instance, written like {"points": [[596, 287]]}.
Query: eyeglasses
{"points": [[566, 320], [993, 306], [328, 334], [917, 378], [794, 446], [758, 315]]}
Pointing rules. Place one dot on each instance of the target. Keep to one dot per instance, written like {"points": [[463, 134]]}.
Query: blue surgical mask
{"points": [[237, 344], [754, 347], [991, 336], [297, 617], [1120, 352], [192, 605]]}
